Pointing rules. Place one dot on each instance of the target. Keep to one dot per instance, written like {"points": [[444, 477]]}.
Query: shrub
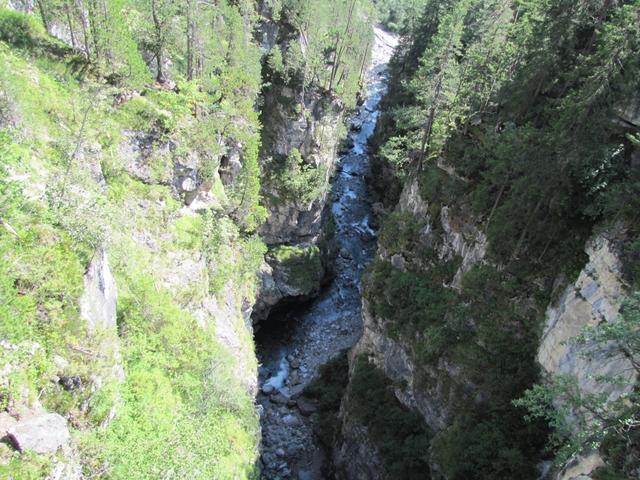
{"points": [[294, 179], [20, 30]]}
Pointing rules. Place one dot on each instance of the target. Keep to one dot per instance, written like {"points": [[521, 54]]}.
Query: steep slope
{"points": [[506, 162], [113, 195]]}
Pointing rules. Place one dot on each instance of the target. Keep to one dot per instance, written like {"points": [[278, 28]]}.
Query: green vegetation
{"points": [[322, 45], [597, 420], [400, 435], [71, 187], [399, 15], [180, 390], [303, 265], [327, 390], [512, 114], [296, 180], [519, 98]]}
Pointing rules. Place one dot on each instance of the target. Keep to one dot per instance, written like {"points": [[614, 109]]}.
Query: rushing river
{"points": [[293, 346]]}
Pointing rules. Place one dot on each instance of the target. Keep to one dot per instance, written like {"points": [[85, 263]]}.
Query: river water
{"points": [[293, 344]]}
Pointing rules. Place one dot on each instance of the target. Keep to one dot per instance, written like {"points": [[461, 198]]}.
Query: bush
{"points": [[294, 179], [20, 30]]}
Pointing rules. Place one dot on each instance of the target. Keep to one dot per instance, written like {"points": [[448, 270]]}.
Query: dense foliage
{"points": [[519, 118], [400, 435], [526, 101]]}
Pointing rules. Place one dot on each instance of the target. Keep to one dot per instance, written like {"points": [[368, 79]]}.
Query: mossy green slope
{"points": [[183, 407]]}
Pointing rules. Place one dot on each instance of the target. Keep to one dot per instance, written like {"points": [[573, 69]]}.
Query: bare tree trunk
{"points": [[159, 41], [190, 39], [70, 23], [43, 14], [340, 50], [496, 203], [83, 23], [523, 235]]}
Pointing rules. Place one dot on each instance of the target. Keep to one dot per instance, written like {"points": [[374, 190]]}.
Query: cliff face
{"points": [[309, 122], [302, 127], [593, 299], [442, 388]]}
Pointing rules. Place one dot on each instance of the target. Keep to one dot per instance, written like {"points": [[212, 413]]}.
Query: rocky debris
{"points": [[100, 296], [280, 399], [306, 407], [268, 389], [40, 434], [290, 420]]}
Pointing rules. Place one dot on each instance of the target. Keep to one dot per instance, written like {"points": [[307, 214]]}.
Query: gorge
{"points": [[302, 239]]}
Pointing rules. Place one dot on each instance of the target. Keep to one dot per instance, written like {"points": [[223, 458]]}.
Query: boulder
{"points": [[268, 389], [306, 407], [40, 434], [290, 420], [280, 399]]}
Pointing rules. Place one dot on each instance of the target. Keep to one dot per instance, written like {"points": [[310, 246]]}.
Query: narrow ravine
{"points": [[294, 343]]}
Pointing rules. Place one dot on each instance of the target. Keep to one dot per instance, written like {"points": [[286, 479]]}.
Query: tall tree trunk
{"points": [[70, 23], [159, 40], [496, 203], [523, 235], [342, 45], [43, 14], [83, 24], [190, 39]]}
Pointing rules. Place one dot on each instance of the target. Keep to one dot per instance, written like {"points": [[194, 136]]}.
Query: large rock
{"points": [[41, 434], [100, 296], [314, 131], [595, 297]]}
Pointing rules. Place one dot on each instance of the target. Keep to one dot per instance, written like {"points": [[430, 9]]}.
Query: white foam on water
{"points": [[277, 381]]}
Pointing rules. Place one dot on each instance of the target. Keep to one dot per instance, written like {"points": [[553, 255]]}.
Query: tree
{"points": [[583, 420]]}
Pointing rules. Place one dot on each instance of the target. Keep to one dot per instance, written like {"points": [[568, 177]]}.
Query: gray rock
{"points": [[268, 389], [280, 399], [280, 452], [99, 298], [7, 422], [398, 262], [290, 420], [294, 363], [41, 434], [306, 407]]}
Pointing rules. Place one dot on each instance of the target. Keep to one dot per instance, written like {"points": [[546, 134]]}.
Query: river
{"points": [[293, 344]]}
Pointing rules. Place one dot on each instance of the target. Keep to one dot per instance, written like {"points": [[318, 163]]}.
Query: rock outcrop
{"points": [[308, 122], [594, 298], [41, 434]]}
